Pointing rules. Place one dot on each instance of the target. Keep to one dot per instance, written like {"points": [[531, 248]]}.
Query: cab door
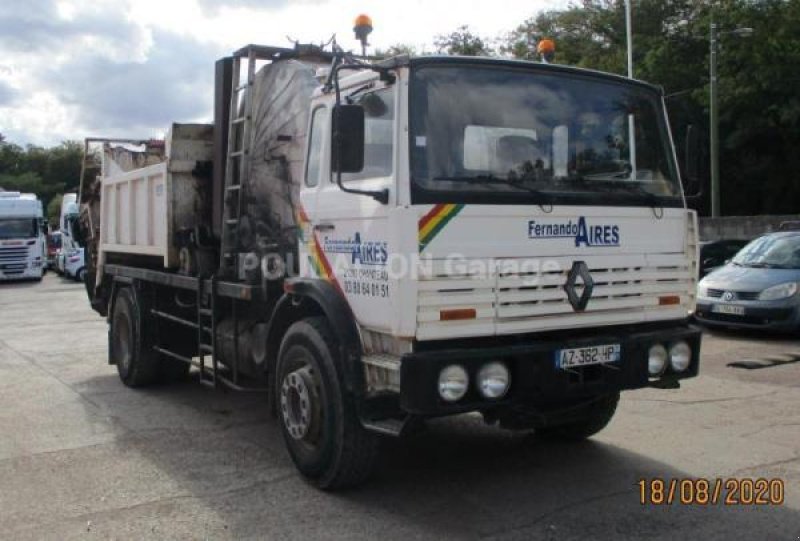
{"points": [[352, 229], [314, 174]]}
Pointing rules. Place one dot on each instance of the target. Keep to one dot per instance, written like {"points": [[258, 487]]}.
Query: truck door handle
{"points": [[324, 227]]}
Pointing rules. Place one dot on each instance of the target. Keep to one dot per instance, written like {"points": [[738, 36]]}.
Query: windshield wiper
{"points": [[489, 180], [632, 187]]}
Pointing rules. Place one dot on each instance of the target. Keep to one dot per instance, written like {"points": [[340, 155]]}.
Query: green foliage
{"points": [[463, 42], [43, 171], [54, 210], [396, 50]]}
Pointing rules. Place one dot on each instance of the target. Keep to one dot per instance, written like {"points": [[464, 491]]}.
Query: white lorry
{"points": [[374, 244], [23, 249], [70, 261]]}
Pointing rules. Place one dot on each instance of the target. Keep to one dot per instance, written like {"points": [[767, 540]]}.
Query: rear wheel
{"points": [[131, 347], [594, 419], [319, 421]]}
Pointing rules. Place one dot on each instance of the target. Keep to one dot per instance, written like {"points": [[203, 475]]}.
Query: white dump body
{"points": [[143, 209]]}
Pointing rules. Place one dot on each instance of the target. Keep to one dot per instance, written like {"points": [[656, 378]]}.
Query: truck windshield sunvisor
{"points": [[540, 134]]}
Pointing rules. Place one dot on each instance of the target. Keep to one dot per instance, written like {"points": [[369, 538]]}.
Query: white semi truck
{"points": [[375, 244], [70, 259], [23, 250]]}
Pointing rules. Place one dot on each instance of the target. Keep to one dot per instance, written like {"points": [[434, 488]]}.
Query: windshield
{"points": [[18, 228], [504, 133], [771, 252]]}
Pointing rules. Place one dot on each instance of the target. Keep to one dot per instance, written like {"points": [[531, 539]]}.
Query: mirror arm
{"points": [[382, 196]]}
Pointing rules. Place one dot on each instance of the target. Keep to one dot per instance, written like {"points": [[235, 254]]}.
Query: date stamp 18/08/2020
{"points": [[719, 491]]}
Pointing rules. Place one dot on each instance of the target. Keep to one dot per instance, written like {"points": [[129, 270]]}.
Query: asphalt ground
{"points": [[83, 457]]}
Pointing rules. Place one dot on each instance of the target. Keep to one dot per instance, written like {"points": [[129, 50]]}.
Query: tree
{"points": [[43, 171], [54, 209], [396, 50], [462, 42]]}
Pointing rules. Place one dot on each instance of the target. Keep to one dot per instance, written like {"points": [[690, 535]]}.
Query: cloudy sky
{"points": [[127, 68]]}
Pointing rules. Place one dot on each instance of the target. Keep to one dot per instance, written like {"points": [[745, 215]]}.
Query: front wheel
{"points": [[320, 425], [594, 418]]}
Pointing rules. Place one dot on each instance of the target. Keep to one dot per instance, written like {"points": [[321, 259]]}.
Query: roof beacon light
{"points": [[546, 50], [363, 28]]}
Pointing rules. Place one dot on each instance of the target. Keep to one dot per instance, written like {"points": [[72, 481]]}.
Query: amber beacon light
{"points": [[546, 50], [362, 29]]}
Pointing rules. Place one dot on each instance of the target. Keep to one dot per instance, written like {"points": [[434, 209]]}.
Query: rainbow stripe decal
{"points": [[435, 220], [316, 256]]}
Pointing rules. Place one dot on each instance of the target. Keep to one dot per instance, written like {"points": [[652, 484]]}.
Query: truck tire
{"points": [[598, 415], [131, 347], [319, 422]]}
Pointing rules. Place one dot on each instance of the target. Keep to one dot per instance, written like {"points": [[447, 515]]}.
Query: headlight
{"points": [[680, 355], [780, 291], [656, 359], [453, 383], [702, 291], [493, 380]]}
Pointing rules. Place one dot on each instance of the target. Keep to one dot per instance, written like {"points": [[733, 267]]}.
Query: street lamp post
{"points": [[714, 112]]}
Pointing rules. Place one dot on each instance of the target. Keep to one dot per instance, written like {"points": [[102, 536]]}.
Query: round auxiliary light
{"points": [[453, 383], [493, 380], [680, 355], [656, 359]]}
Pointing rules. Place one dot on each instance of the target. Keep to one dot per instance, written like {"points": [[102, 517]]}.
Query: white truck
{"points": [[70, 260], [23, 249], [375, 244]]}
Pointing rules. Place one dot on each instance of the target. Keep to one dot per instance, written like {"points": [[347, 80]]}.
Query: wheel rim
{"points": [[300, 407]]}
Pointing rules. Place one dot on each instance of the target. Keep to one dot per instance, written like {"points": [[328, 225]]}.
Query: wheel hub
{"points": [[297, 408]]}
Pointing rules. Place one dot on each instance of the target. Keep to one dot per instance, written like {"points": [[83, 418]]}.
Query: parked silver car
{"points": [[758, 288]]}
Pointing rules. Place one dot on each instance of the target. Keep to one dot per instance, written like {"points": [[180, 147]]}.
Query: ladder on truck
{"points": [[237, 160], [240, 121]]}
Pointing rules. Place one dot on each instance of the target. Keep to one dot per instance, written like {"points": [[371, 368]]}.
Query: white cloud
{"points": [[73, 68]]}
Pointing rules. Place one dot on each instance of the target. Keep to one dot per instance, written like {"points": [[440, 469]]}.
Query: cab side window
{"points": [[378, 135], [319, 124]]}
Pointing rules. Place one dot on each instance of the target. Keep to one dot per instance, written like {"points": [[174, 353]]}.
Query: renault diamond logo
{"points": [[579, 286], [728, 296]]}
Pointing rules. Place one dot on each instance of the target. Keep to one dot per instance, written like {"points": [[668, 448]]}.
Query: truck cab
{"points": [[534, 227], [22, 237]]}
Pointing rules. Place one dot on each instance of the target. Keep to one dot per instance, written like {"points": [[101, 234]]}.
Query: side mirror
{"points": [[347, 155]]}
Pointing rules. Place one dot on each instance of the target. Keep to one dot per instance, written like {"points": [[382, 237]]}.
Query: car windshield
{"points": [[18, 228], [531, 133], [771, 252]]}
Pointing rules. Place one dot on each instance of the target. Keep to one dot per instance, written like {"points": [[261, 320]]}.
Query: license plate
{"points": [[730, 309], [571, 358]]}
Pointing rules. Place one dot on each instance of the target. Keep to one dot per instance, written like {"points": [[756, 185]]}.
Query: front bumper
{"points": [[535, 379], [780, 316]]}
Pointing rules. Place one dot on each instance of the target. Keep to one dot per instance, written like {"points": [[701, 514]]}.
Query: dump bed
{"points": [[143, 210]]}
